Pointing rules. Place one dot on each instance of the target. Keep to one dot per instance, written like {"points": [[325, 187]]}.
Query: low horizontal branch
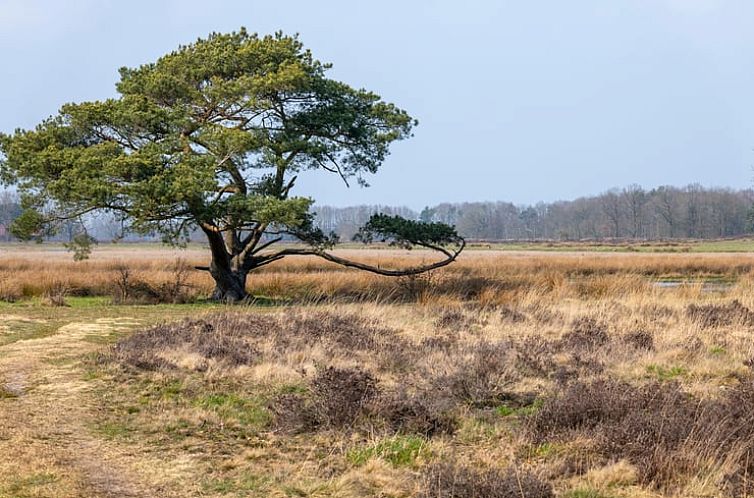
{"points": [[450, 257]]}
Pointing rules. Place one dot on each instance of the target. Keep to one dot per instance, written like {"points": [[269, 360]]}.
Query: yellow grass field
{"points": [[28, 271]]}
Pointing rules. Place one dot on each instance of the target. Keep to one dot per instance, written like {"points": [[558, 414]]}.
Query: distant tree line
{"points": [[9, 210], [628, 213]]}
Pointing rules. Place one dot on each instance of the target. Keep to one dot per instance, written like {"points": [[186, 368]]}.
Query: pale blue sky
{"points": [[517, 100]]}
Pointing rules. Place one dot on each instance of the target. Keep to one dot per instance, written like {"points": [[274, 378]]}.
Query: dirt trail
{"points": [[48, 446]]}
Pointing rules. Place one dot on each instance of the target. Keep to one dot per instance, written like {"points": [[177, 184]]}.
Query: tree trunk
{"points": [[230, 279], [230, 286]]}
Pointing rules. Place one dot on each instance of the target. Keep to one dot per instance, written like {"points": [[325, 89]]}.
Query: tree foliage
{"points": [[211, 136], [406, 233]]}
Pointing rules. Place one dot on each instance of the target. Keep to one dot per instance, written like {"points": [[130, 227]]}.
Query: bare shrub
{"points": [[346, 331], [427, 412], [292, 413], [220, 338], [122, 283], [128, 289], [562, 360], [341, 396], [438, 343], [655, 312], [640, 339], [452, 318], [483, 375], [56, 293], [451, 479], [588, 405], [586, 334], [175, 290], [535, 357], [729, 431], [718, 315], [232, 337], [660, 429]]}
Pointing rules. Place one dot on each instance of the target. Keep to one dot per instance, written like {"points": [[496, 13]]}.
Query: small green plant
{"points": [[400, 451], [91, 374], [171, 390], [543, 450], [507, 411], [666, 373], [717, 350], [292, 389]]}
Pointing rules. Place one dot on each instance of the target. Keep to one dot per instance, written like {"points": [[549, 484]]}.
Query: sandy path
{"points": [[47, 443]]}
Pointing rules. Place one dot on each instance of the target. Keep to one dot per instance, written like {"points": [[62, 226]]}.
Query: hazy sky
{"points": [[521, 100]]}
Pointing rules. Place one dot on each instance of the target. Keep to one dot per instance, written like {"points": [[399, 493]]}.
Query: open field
{"points": [[508, 374], [689, 246]]}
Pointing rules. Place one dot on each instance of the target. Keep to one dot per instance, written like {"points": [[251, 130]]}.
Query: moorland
{"points": [[573, 372]]}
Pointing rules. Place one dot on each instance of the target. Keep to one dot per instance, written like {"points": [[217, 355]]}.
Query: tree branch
{"points": [[451, 257]]}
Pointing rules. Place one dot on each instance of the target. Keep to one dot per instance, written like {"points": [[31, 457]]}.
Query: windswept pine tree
{"points": [[213, 137]]}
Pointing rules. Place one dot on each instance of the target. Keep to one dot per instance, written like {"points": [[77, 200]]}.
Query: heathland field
{"points": [[571, 373]]}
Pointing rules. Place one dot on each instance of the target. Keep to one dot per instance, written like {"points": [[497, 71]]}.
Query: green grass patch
{"points": [[666, 373], [505, 411], [542, 451], [291, 389], [248, 412], [113, 429], [24, 486], [241, 486], [399, 451], [521, 411], [23, 330]]}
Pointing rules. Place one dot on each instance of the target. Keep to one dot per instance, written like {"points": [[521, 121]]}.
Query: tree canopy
{"points": [[213, 137]]}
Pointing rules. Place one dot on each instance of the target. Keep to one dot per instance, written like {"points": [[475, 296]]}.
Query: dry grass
{"points": [[634, 393], [154, 274], [505, 375]]}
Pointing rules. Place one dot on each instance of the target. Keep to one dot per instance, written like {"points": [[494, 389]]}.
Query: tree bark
{"points": [[230, 281], [230, 286]]}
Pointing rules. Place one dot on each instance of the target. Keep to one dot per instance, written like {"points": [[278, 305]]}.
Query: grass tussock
{"points": [[716, 315], [454, 480]]}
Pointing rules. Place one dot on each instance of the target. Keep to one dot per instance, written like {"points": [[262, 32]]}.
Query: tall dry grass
{"points": [[487, 276]]}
